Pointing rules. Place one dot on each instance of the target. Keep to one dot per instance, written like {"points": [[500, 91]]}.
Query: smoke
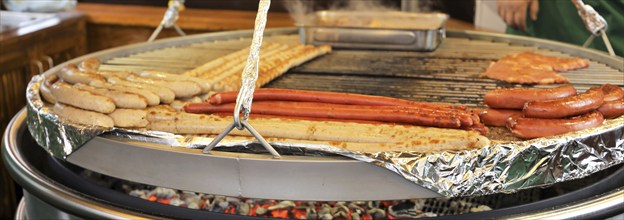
{"points": [[302, 11]]}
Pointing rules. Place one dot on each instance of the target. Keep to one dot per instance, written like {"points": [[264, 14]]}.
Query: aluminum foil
{"points": [[505, 166]]}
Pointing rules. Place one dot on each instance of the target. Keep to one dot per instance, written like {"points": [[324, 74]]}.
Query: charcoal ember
{"points": [[164, 193], [282, 205], [138, 193]]}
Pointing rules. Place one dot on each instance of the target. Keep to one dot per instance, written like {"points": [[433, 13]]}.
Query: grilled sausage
{"points": [[121, 99], [44, 88], [515, 98], [166, 95], [498, 117], [537, 127], [129, 118], [181, 89], [324, 97], [84, 117], [564, 107], [109, 73], [393, 115], [71, 74], [204, 84], [151, 98], [91, 64], [612, 92], [67, 94], [612, 109]]}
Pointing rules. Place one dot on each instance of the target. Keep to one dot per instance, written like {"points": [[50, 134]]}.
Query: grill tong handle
{"points": [[169, 19], [248, 84], [594, 23]]}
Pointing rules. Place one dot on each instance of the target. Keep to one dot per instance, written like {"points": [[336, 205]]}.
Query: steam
{"points": [[302, 11]]}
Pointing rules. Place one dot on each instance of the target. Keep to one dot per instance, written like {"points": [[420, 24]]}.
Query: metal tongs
{"points": [[594, 23], [248, 84], [169, 19]]}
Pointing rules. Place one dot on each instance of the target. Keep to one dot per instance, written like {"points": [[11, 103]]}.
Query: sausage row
{"points": [[532, 113]]}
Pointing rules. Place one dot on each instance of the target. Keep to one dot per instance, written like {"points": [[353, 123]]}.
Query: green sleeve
{"points": [[558, 20]]}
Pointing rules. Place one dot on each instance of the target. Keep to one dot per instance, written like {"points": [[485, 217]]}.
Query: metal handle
{"points": [[594, 23], [169, 19], [248, 84]]}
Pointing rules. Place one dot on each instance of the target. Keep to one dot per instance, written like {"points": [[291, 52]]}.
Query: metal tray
{"points": [[375, 30]]}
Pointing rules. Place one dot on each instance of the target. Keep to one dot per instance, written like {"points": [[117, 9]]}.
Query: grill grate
{"points": [[449, 74]]}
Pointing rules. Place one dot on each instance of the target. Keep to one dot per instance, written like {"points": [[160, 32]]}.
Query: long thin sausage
{"points": [[515, 98], [322, 97], [536, 127], [385, 115], [564, 107], [465, 118], [612, 109]]}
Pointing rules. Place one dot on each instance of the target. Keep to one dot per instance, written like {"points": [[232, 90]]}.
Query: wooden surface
{"points": [[190, 19], [112, 25]]}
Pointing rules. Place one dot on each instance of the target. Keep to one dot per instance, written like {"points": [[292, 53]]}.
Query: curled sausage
{"points": [[612, 92], [44, 88], [537, 127], [564, 107], [515, 98], [498, 117], [612, 109]]}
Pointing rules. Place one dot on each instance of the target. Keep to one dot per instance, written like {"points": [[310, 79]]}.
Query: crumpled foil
{"points": [[502, 167]]}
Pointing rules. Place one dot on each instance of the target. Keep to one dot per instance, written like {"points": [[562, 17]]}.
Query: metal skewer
{"points": [[248, 84], [169, 19]]}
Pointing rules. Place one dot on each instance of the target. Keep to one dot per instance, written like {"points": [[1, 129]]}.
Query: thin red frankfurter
{"points": [[465, 119], [252, 115], [515, 98], [323, 97], [407, 116], [498, 117], [612, 109], [565, 107], [612, 92], [527, 128]]}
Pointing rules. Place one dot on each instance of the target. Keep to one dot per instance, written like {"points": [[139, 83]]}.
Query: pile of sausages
{"points": [[532, 112], [316, 105], [86, 95]]}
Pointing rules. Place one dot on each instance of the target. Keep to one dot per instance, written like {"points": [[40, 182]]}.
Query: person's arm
{"points": [[514, 12]]}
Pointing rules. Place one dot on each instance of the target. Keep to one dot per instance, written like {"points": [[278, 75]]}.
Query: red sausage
{"points": [[515, 98], [565, 107], [612, 109], [612, 92], [323, 97], [394, 115], [527, 128], [497, 117]]}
